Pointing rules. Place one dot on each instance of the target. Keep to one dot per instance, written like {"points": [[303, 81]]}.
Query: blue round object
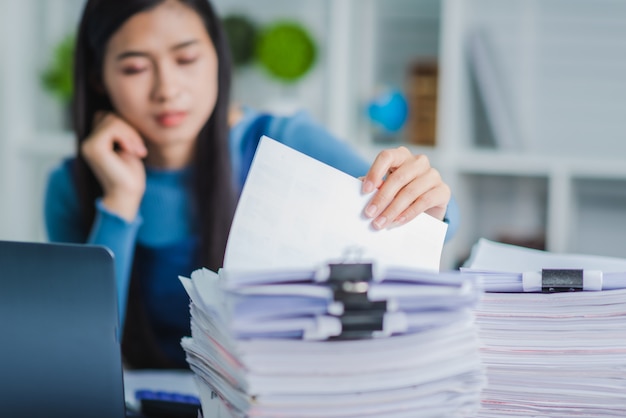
{"points": [[389, 110]]}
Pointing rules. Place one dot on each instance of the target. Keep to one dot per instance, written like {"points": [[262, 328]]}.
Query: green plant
{"points": [[242, 35], [286, 50], [57, 77]]}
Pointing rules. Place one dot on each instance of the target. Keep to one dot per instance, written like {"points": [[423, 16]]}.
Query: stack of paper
{"points": [[301, 322], [551, 354], [274, 344]]}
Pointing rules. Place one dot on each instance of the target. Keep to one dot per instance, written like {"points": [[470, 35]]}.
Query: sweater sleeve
{"points": [[61, 207], [62, 220], [303, 134]]}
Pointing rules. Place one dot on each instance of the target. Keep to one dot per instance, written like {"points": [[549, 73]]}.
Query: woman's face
{"points": [[160, 72]]}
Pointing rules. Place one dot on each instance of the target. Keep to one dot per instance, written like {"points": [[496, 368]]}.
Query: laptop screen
{"points": [[59, 350]]}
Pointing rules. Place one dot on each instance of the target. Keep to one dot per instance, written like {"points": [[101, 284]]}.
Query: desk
{"points": [[177, 381]]}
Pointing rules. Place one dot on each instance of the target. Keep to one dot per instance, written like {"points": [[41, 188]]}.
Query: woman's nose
{"points": [[166, 84]]}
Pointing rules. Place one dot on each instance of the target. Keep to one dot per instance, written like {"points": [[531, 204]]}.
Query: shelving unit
{"points": [[562, 72], [558, 62], [562, 67]]}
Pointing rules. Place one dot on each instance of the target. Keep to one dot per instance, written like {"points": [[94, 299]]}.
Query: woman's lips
{"points": [[170, 119]]}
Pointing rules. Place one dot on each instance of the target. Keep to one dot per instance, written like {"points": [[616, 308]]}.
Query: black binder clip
{"points": [[350, 283], [561, 280]]}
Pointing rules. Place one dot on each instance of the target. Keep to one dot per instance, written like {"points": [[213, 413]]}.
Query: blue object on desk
{"points": [[160, 404]]}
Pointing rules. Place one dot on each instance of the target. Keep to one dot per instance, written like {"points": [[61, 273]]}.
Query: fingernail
{"points": [[370, 211], [379, 223], [368, 186]]}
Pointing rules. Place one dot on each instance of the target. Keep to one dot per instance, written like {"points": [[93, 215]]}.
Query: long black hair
{"points": [[213, 193]]}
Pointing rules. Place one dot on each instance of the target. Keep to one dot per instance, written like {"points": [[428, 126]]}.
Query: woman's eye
{"points": [[132, 70], [187, 60]]}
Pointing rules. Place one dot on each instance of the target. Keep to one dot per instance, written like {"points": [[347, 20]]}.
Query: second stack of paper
{"points": [[554, 355], [550, 354]]}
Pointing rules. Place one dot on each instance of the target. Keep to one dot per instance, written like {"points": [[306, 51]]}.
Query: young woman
{"points": [[158, 166]]}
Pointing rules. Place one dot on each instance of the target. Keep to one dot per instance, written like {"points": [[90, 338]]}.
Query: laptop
{"points": [[59, 348]]}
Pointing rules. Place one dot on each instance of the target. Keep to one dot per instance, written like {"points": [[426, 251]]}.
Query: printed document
{"points": [[297, 212]]}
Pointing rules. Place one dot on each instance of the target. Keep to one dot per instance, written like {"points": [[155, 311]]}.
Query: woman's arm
{"points": [[63, 224], [302, 133]]}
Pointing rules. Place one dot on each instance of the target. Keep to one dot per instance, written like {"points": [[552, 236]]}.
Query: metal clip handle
{"points": [[561, 280]]}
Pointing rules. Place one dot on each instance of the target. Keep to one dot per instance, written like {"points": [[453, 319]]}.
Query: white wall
{"points": [[31, 139], [15, 113]]}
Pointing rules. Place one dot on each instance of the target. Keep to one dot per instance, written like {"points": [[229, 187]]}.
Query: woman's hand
{"points": [[407, 186], [114, 150]]}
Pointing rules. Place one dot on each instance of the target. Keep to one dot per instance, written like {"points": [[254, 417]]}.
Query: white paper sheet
{"points": [[295, 212], [495, 256]]}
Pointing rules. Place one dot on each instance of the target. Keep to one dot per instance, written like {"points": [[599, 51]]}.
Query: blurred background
{"points": [[520, 104]]}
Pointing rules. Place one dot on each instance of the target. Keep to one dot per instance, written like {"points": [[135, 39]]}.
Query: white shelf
{"points": [[545, 192], [506, 163]]}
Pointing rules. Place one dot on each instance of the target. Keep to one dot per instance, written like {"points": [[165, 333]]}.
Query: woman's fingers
{"points": [[407, 186], [385, 161], [114, 151], [410, 203], [118, 135]]}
